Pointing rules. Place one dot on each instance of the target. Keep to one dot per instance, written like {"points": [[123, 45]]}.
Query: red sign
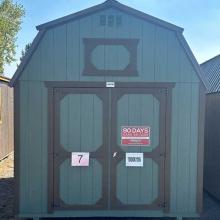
{"points": [[135, 135]]}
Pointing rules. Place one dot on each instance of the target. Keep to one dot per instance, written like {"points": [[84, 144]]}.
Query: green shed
{"points": [[109, 118]]}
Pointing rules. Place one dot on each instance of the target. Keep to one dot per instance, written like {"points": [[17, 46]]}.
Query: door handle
{"points": [[114, 154]]}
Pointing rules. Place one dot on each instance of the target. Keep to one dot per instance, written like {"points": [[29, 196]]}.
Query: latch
{"points": [[110, 84]]}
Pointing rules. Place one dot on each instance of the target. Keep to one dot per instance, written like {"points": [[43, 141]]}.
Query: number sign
{"points": [[80, 159]]}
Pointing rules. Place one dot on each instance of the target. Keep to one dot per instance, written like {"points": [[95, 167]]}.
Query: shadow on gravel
{"points": [[6, 197]]}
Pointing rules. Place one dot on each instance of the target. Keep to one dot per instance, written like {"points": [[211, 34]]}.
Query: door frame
{"points": [[164, 87]]}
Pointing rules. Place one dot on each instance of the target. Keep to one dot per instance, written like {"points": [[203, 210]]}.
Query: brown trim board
{"points": [[92, 43]]}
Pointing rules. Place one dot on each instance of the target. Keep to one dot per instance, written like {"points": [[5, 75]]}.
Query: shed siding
{"points": [[60, 56], [33, 144], [6, 126], [212, 148]]}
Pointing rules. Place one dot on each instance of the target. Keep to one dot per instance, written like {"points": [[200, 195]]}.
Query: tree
{"points": [[11, 15], [23, 52]]}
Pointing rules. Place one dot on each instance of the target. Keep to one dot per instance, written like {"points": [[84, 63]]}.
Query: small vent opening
{"points": [[102, 20], [110, 20]]}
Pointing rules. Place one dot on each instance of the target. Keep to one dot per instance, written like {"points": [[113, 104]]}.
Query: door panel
{"points": [[80, 185], [81, 115], [141, 110], [138, 187]]}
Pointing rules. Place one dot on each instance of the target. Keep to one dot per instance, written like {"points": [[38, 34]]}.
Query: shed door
{"points": [[81, 125], [141, 186], [90, 120]]}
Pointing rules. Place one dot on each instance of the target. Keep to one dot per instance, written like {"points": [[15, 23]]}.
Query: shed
{"points": [[6, 118], [109, 109], [211, 75]]}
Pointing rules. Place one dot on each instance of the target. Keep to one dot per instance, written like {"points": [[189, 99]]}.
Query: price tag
{"points": [[134, 160], [80, 159], [110, 84]]}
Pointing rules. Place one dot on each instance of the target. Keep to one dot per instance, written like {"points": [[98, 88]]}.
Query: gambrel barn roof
{"points": [[107, 4], [211, 74]]}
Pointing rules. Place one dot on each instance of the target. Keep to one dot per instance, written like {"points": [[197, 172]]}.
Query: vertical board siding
{"points": [[60, 52], [60, 55], [33, 147], [184, 148], [6, 125], [212, 149], [73, 46], [161, 51]]}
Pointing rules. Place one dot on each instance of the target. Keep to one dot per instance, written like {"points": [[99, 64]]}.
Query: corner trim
{"points": [[200, 152]]}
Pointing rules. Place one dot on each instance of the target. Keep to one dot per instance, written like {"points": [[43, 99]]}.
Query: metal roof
{"points": [[4, 79], [211, 74]]}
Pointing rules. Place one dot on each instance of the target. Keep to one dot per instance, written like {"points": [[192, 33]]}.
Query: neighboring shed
{"points": [[6, 118], [109, 115], [211, 74]]}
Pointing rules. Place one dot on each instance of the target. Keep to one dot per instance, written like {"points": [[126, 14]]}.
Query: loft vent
{"points": [[110, 20]]}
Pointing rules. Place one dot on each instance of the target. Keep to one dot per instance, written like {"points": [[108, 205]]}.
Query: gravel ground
{"points": [[211, 205], [7, 187]]}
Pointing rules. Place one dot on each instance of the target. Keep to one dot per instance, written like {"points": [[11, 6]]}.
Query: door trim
{"points": [[52, 85]]}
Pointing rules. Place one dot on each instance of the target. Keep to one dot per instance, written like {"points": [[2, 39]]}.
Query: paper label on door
{"points": [[80, 159], [135, 135], [134, 160]]}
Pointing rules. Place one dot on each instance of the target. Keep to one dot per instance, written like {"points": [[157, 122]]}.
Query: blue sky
{"points": [[199, 18]]}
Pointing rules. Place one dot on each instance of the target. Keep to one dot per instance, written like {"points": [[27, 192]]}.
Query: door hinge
{"points": [[55, 205], [162, 154], [165, 91], [162, 205]]}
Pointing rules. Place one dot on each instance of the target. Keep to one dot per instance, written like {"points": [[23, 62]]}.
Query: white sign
{"points": [[110, 84], [134, 159], [80, 159]]}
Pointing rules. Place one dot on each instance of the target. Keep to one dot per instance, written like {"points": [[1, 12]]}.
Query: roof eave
{"points": [[107, 4]]}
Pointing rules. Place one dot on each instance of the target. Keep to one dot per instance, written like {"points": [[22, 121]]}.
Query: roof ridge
{"points": [[114, 4], [210, 59]]}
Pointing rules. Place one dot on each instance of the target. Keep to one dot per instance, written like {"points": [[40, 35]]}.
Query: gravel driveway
{"points": [[7, 187]]}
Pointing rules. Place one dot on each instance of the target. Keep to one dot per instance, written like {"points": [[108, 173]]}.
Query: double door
{"points": [[108, 146]]}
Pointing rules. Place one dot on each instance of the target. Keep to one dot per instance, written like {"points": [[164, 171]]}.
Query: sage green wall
{"points": [[60, 55]]}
